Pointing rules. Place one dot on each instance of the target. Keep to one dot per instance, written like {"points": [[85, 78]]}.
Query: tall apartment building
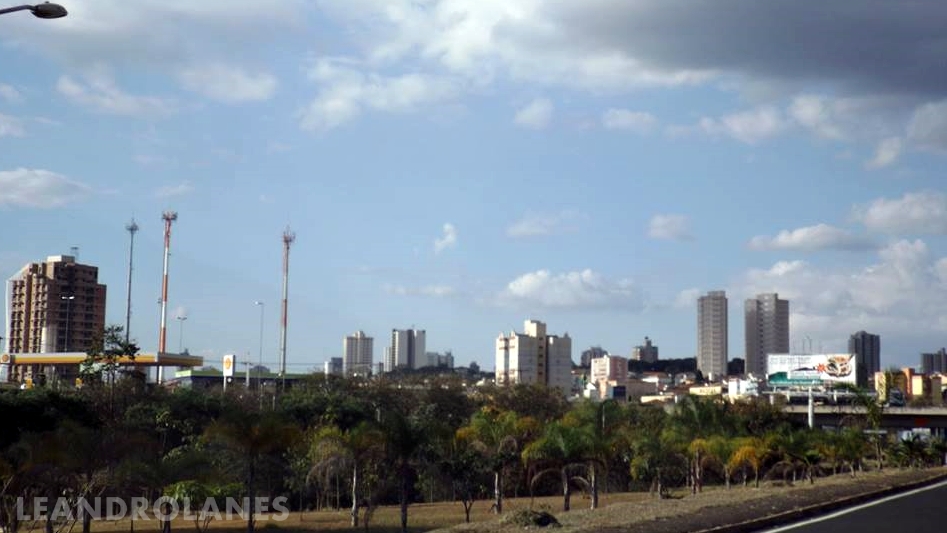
{"points": [[594, 352], [357, 354], [406, 349], [440, 360], [934, 362], [55, 306], [766, 330], [609, 368], [534, 357], [646, 352], [712, 343], [867, 350]]}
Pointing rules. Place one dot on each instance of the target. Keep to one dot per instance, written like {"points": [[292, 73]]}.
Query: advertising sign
{"points": [[228, 366], [813, 369]]}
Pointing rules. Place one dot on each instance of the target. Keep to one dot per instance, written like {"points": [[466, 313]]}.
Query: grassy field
{"points": [[421, 517]]}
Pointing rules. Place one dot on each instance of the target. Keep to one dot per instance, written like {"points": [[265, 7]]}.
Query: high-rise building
{"points": [[440, 360], [333, 367], [766, 330], [867, 350], [55, 306], [712, 343], [609, 368], [534, 357], [646, 352], [594, 352], [934, 362], [406, 349], [357, 354]]}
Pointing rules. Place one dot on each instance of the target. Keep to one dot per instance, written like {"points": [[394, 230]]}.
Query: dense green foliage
{"points": [[357, 444]]}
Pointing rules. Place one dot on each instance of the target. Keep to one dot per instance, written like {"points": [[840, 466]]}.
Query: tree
{"points": [[604, 423], [192, 495], [561, 448], [334, 450], [748, 452], [720, 449], [104, 357]]}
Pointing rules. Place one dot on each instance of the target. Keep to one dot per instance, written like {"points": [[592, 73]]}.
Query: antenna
{"points": [[288, 238], [169, 217], [132, 228]]}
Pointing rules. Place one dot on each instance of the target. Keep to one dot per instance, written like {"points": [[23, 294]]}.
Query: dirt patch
{"points": [[716, 507]]}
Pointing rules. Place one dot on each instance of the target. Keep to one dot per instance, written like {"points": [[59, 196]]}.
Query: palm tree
{"points": [[561, 448], [252, 436], [720, 449], [607, 434], [334, 450], [498, 437], [749, 452]]}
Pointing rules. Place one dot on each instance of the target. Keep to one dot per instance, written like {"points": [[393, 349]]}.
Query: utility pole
{"points": [[132, 228], [288, 238], [169, 217]]}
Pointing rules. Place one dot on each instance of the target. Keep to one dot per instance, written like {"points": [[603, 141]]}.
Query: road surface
{"points": [[916, 510]]}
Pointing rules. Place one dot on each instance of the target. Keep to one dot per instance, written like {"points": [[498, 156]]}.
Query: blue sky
{"points": [[462, 166]]}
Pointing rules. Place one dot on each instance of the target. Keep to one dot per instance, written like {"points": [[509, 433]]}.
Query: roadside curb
{"points": [[812, 511]]}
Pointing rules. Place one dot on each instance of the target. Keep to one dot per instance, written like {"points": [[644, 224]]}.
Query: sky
{"points": [[461, 166]]}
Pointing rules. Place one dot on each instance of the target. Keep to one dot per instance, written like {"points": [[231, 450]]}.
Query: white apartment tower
{"points": [[357, 354], [407, 349], [712, 345], [534, 357], [767, 330]]}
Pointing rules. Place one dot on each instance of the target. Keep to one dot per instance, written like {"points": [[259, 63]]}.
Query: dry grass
{"points": [[618, 512]]}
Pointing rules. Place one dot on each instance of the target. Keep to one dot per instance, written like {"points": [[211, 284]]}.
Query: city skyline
{"points": [[463, 166]]}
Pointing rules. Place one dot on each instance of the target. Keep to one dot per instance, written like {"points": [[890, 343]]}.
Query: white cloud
{"points": [[431, 291], [9, 93], [100, 94], [229, 84], [627, 120], [535, 115], [902, 293], [928, 126], [11, 126], [576, 290], [346, 89], [886, 153], [817, 114], [670, 227], [26, 187], [538, 225], [749, 127], [687, 298], [811, 238], [170, 191], [447, 240], [922, 213]]}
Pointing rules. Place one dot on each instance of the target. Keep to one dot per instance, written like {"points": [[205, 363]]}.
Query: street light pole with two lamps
{"points": [[45, 10]]}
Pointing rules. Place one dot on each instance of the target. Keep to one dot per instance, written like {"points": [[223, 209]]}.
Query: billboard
{"points": [[814, 369]]}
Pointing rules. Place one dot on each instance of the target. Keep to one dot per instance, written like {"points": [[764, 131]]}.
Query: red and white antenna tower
{"points": [[168, 217], [288, 238]]}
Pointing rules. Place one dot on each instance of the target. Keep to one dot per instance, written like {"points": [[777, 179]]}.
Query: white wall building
{"points": [[609, 368], [766, 330], [407, 349], [534, 357], [712, 344], [357, 354]]}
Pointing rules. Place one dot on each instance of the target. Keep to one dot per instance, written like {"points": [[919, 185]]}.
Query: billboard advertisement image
{"points": [[813, 369]]}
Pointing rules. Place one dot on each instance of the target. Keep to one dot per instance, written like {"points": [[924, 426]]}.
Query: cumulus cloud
{"points": [[627, 120], [749, 127], [812, 238], [535, 115], [886, 153], [901, 293], [687, 298], [9, 93], [171, 191], [538, 225], [99, 93], [448, 238], [571, 290], [11, 126], [920, 213], [228, 83], [27, 187], [432, 291], [928, 126], [346, 89], [670, 227]]}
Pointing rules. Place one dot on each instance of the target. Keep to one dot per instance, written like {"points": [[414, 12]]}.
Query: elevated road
{"points": [[893, 418]]}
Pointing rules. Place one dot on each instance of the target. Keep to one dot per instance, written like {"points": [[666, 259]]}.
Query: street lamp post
{"points": [[45, 10], [259, 368], [181, 320]]}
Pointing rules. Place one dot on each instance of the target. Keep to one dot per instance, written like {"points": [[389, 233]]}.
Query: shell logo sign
{"points": [[5, 358], [228, 365]]}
